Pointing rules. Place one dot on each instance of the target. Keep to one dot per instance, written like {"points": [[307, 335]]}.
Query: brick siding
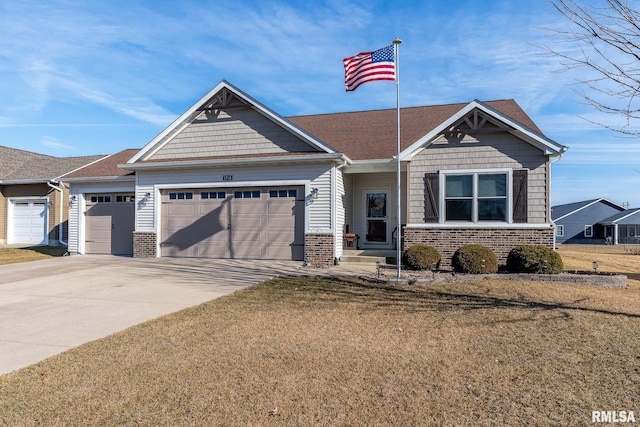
{"points": [[144, 245], [500, 240], [319, 251]]}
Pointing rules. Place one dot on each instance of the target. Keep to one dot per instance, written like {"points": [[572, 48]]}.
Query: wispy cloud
{"points": [[53, 143]]}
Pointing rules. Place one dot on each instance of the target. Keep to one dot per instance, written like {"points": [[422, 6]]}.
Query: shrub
{"points": [[534, 259], [420, 257], [474, 259]]}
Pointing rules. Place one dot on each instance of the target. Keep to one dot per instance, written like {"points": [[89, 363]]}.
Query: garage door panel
{"points": [[244, 207], [206, 250], [247, 251], [283, 235], [281, 208], [180, 209]]}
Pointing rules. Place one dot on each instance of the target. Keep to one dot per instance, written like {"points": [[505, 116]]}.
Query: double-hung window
{"points": [[476, 196]]}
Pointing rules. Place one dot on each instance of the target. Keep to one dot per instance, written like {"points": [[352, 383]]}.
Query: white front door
{"points": [[377, 217]]}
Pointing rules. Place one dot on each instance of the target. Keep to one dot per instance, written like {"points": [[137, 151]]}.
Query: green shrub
{"points": [[474, 259], [534, 259], [420, 257]]}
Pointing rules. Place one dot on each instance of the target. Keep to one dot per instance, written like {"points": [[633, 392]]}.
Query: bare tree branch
{"points": [[605, 41]]}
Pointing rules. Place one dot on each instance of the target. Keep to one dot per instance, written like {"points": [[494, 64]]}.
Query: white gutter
{"points": [[182, 164], [64, 243]]}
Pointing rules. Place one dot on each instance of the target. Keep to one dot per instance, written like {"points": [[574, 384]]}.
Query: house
{"points": [[580, 222], [622, 228], [33, 208], [231, 178]]}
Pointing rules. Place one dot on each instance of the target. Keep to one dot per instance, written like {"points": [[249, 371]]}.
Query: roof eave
{"points": [[183, 164], [121, 178]]}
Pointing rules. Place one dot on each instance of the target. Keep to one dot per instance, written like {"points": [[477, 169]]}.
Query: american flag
{"points": [[369, 66]]}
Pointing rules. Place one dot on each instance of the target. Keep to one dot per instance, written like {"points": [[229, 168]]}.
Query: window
{"points": [[181, 196], [559, 230], [588, 231], [247, 194], [124, 199], [100, 199], [475, 197], [205, 195], [283, 193]]}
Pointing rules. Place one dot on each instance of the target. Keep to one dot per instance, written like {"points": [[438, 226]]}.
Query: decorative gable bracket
{"points": [[224, 99], [474, 122]]}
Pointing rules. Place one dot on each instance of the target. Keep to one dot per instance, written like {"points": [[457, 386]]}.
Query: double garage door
{"points": [[253, 223]]}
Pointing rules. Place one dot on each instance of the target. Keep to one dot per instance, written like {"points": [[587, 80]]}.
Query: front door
{"points": [[377, 211]]}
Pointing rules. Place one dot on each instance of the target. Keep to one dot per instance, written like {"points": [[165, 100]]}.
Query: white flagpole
{"points": [[396, 45]]}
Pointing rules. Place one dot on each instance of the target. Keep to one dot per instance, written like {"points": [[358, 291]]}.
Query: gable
{"points": [[233, 131], [600, 208], [477, 119], [228, 123]]}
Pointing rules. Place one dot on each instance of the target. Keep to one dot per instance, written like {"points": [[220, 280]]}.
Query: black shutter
{"points": [[520, 195], [431, 196]]}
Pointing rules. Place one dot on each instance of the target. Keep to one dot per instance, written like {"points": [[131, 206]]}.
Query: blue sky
{"points": [[93, 77]]}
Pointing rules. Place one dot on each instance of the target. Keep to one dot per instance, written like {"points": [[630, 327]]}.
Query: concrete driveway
{"points": [[49, 306]]}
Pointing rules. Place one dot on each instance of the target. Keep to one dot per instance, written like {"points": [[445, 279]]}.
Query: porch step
{"points": [[369, 256]]}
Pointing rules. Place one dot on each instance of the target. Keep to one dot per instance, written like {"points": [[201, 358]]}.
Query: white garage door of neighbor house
{"points": [[253, 223], [109, 223], [29, 222]]}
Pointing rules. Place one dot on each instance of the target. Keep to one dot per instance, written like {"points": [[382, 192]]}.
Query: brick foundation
{"points": [[500, 240], [319, 251], [144, 245]]}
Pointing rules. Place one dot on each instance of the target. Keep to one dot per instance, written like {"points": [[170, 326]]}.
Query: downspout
{"points": [[551, 162], [62, 242]]}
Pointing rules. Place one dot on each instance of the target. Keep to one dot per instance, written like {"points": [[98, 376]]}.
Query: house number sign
{"points": [[227, 177]]}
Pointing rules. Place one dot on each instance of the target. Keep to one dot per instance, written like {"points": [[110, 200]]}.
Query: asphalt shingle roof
{"points": [[106, 167], [365, 135], [21, 165]]}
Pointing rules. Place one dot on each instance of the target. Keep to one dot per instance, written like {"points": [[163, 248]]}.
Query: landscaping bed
{"points": [[387, 274]]}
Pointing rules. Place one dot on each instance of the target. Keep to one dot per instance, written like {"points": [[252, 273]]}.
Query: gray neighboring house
{"points": [[581, 222], [623, 228], [231, 178], [33, 203]]}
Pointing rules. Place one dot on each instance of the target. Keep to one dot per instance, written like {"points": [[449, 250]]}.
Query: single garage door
{"points": [[29, 222], [253, 223], [109, 223]]}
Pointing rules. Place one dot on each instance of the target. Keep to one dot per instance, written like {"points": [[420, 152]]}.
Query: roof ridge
{"points": [[449, 104]]}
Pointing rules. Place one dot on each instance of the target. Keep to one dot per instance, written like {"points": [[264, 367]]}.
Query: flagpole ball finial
{"points": [[397, 41]]}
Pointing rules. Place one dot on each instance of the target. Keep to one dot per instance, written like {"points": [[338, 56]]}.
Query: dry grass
{"points": [[32, 253], [343, 352]]}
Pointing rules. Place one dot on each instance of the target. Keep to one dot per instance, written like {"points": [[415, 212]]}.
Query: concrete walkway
{"points": [[49, 306]]}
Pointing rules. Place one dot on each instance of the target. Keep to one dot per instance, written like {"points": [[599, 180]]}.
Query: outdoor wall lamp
{"points": [[314, 193]]}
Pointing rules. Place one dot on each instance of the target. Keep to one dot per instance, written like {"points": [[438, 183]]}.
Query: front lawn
{"points": [[307, 352], [31, 253]]}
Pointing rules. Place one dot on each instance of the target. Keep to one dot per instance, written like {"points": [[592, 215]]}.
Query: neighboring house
{"points": [[231, 178], [623, 228], [33, 204], [579, 222]]}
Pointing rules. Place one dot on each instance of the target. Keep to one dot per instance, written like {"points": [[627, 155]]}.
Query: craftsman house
{"points": [[33, 204], [231, 178]]}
